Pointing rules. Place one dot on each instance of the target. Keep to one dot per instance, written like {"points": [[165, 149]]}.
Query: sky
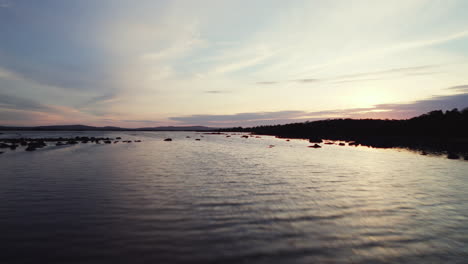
{"points": [[229, 63]]}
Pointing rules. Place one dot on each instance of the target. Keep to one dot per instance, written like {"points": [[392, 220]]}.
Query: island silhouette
{"points": [[436, 132]]}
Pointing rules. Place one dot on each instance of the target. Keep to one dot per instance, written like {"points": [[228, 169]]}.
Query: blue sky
{"points": [[229, 63]]}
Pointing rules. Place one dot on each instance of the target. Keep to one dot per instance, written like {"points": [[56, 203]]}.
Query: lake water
{"points": [[229, 200]]}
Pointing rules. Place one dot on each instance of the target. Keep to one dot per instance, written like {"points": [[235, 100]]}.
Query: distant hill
{"points": [[106, 128]]}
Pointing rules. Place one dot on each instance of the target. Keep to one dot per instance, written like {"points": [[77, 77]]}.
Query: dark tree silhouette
{"points": [[435, 131]]}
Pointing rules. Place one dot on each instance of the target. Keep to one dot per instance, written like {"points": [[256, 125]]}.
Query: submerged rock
{"points": [[118, 138], [197, 139], [108, 142], [452, 156], [168, 139], [342, 144], [315, 146], [30, 148], [35, 145]]}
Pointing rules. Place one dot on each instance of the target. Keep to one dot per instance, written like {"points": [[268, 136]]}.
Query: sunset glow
{"points": [[213, 63]]}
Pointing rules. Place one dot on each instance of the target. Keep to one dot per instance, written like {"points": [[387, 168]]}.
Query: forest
{"points": [[436, 131]]}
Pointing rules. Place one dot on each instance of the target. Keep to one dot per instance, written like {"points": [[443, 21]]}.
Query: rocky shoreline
{"points": [[32, 144]]}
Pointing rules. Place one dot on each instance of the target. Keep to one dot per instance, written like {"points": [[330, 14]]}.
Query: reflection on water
{"points": [[229, 200]]}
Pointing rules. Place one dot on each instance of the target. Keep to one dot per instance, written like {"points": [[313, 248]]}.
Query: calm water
{"points": [[229, 200]]}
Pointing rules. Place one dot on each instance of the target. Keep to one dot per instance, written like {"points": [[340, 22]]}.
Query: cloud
{"points": [[443, 102], [307, 80], [391, 111], [365, 76], [216, 92], [5, 74], [139, 121], [462, 88], [433, 41], [239, 117], [243, 63], [101, 99], [5, 4], [10, 117], [268, 82], [120, 59], [17, 103]]}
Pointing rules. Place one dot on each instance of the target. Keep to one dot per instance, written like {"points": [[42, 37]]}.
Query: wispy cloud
{"points": [[365, 76], [462, 88], [310, 80], [18, 103], [268, 82], [217, 92], [393, 111], [256, 116], [5, 3], [101, 99]]}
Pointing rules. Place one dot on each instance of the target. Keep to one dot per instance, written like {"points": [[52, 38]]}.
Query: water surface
{"points": [[229, 200]]}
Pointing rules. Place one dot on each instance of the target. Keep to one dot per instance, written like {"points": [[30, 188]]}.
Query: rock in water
{"points": [[168, 139], [30, 148]]}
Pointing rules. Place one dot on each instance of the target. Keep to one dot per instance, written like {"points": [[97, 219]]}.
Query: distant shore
{"points": [[105, 128], [433, 133]]}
